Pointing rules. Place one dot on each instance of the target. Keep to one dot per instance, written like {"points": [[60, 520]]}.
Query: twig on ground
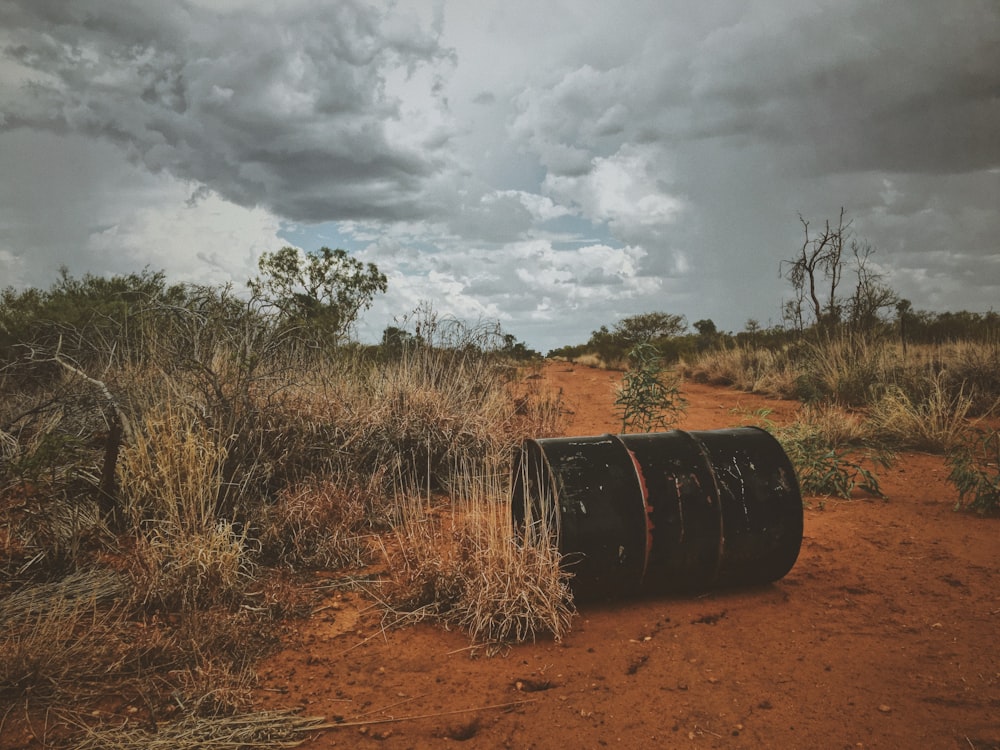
{"points": [[394, 720]]}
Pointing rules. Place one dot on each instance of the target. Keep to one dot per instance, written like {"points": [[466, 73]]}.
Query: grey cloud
{"points": [[287, 109], [501, 218], [859, 86], [937, 236], [56, 200], [585, 111], [848, 86]]}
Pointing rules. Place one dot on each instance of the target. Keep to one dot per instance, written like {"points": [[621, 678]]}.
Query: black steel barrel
{"points": [[584, 494], [672, 511]]}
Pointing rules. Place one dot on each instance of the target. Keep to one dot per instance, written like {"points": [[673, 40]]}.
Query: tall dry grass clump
{"points": [[186, 556], [936, 422], [172, 472], [465, 565], [971, 368], [847, 369]]}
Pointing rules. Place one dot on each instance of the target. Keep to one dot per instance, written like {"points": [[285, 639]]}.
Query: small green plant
{"points": [[649, 398], [975, 471], [835, 470]]}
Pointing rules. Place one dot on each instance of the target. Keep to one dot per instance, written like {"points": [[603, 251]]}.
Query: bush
{"points": [[95, 323], [975, 472], [649, 398], [323, 523], [934, 422], [825, 467]]}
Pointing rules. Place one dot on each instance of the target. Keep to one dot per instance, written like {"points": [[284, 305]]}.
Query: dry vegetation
{"points": [[234, 475], [866, 397]]}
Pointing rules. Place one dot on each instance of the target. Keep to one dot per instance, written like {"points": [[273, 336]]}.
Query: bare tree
{"points": [[819, 262], [872, 296]]}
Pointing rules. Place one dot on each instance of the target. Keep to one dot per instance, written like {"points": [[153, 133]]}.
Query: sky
{"points": [[552, 164]]}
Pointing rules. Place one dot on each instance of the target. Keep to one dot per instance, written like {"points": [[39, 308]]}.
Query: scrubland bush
{"points": [[827, 466], [933, 422], [649, 396], [974, 464]]}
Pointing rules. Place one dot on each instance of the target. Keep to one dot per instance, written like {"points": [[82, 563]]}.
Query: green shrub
{"points": [[826, 468], [649, 398], [975, 471]]}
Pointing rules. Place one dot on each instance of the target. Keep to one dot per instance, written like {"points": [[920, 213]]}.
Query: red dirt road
{"points": [[883, 635]]}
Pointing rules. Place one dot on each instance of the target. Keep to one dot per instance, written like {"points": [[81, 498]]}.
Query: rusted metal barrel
{"points": [[661, 512]]}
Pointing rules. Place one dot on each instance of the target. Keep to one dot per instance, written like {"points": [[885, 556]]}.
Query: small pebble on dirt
{"points": [[885, 709]]}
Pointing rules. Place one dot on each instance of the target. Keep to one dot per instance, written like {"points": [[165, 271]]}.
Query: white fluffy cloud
{"points": [[627, 190], [205, 240]]}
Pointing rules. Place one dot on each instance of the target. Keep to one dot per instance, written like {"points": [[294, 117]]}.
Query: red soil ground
{"points": [[883, 635]]}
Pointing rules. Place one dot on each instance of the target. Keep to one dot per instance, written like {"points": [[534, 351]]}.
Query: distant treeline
{"points": [[310, 301], [677, 341]]}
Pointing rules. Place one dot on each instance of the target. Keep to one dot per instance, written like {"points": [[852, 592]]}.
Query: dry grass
{"points": [[935, 423], [414, 418], [593, 360], [323, 523], [466, 566], [847, 370], [923, 398], [214, 687], [264, 729], [834, 425], [756, 370], [79, 640], [94, 586], [60, 640], [177, 570]]}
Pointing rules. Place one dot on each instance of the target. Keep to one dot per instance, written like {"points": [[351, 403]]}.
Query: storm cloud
{"points": [[553, 165], [274, 105]]}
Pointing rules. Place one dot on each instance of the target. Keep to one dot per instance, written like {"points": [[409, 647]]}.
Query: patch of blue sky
{"points": [[311, 237], [569, 232]]}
